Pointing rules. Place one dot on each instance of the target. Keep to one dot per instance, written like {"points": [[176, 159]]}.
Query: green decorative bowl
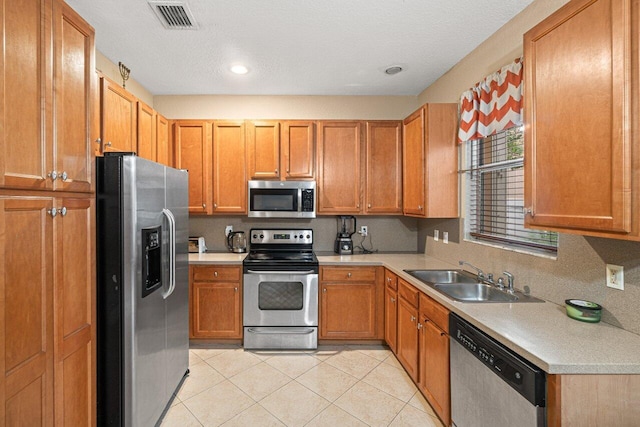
{"points": [[585, 311]]}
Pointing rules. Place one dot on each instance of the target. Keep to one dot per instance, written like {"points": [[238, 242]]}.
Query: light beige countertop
{"points": [[539, 332]]}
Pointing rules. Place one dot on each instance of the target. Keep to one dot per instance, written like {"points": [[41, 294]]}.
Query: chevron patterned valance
{"points": [[492, 105]]}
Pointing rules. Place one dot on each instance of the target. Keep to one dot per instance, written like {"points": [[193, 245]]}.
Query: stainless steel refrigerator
{"points": [[143, 290]]}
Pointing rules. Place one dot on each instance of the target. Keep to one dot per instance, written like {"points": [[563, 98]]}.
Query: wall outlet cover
{"points": [[436, 235], [364, 230], [445, 237], [228, 229], [615, 276]]}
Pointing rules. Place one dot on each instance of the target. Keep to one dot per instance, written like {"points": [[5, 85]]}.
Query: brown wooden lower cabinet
{"points": [[215, 302], [407, 330], [47, 311], [351, 303]]}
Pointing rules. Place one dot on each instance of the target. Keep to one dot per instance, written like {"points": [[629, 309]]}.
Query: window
{"points": [[495, 194]]}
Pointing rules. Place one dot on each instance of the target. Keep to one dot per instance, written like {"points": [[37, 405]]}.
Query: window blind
{"points": [[495, 193]]}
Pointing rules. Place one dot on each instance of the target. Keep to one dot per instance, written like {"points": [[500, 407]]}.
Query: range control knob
{"points": [[255, 236], [308, 236], [262, 236]]}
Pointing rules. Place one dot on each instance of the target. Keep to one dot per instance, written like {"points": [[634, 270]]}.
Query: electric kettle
{"points": [[237, 242]]}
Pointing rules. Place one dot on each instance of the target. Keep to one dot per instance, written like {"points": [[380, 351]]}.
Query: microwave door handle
{"points": [[172, 252], [299, 207], [281, 272]]}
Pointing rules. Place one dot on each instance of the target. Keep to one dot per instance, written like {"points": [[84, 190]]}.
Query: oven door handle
{"points": [[281, 272], [281, 331]]}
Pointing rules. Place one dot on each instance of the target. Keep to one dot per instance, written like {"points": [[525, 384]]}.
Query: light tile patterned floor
{"points": [[333, 386]]}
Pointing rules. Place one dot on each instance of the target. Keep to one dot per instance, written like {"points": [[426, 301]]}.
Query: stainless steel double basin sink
{"points": [[465, 287]]}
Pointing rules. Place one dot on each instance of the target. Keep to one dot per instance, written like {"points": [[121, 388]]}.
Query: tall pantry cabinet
{"points": [[47, 258]]}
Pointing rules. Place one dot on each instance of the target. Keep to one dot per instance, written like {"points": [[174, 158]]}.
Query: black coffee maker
{"points": [[346, 229]]}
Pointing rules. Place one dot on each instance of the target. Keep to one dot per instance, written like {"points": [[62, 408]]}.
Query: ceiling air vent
{"points": [[174, 15]]}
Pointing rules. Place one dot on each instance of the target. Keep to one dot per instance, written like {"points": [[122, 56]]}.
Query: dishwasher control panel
{"points": [[520, 374]]}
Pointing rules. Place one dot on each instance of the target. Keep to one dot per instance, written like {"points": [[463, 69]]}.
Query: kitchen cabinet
{"points": [[351, 303], [339, 167], [263, 149], [390, 309], [40, 150], [118, 111], [383, 190], [581, 159], [407, 338], [48, 354], [163, 141], [193, 142], [430, 162], [229, 168], [146, 139], [433, 353], [215, 303], [298, 148]]}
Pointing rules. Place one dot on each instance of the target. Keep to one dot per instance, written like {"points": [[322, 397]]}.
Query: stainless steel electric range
{"points": [[280, 302]]}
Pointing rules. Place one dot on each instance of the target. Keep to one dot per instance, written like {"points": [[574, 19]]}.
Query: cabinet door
{"points": [[298, 148], [74, 308], [391, 317], [413, 161], [146, 132], [163, 141], [229, 168], [26, 311], [74, 78], [408, 338], [263, 150], [383, 193], [577, 134], [118, 118], [348, 310], [339, 167], [434, 368], [215, 310], [25, 95], [441, 127], [193, 152]]}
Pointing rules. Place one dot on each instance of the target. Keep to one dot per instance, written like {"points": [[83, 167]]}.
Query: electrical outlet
{"points": [[228, 229], [445, 237], [436, 235], [615, 276], [364, 230]]}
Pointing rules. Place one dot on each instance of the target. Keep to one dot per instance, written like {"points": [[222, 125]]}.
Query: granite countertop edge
{"points": [[539, 332]]}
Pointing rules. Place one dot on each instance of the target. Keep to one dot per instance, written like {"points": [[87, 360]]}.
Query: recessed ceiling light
{"points": [[239, 69], [393, 70]]}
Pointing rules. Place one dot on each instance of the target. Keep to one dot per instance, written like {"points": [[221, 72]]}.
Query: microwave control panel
{"points": [[307, 200]]}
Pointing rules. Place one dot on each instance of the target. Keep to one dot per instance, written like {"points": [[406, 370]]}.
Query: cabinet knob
{"points": [[53, 212], [393, 300], [369, 205], [276, 171], [63, 211], [287, 171], [109, 144], [235, 289], [215, 206], [528, 211], [358, 205], [99, 140], [64, 176], [413, 318], [204, 206], [419, 207], [53, 175], [215, 274], [419, 326], [324, 290], [349, 275]]}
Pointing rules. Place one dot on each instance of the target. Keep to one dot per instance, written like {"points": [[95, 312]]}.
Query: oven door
{"points": [[280, 298]]}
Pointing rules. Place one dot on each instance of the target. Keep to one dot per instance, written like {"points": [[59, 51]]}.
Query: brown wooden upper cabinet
{"points": [[163, 141], [339, 167], [146, 140], [280, 150], [193, 142], [580, 116], [229, 168], [430, 162], [118, 118], [383, 193], [45, 148]]}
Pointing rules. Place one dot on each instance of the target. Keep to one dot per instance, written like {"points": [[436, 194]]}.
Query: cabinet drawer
{"points": [[216, 273], [408, 292], [390, 280], [437, 313], [341, 274]]}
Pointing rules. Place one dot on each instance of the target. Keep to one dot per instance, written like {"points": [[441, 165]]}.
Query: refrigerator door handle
{"points": [[172, 252]]}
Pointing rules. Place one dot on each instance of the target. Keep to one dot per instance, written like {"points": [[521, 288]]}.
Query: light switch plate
{"points": [[615, 276], [436, 235], [445, 237]]}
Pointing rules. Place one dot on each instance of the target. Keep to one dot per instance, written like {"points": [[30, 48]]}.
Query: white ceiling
{"points": [[295, 47]]}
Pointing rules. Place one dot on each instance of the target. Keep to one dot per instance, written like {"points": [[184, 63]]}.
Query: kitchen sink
{"points": [[465, 287], [442, 276]]}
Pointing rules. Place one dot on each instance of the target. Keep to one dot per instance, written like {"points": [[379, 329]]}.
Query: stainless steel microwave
{"points": [[282, 199]]}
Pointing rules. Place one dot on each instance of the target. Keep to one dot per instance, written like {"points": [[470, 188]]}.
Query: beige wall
{"points": [[285, 107], [579, 270], [111, 70]]}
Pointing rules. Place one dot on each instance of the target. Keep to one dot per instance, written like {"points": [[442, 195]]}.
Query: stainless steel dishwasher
{"points": [[491, 386]]}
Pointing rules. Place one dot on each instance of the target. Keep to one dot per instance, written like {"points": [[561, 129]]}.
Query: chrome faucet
{"points": [[509, 281], [478, 271]]}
